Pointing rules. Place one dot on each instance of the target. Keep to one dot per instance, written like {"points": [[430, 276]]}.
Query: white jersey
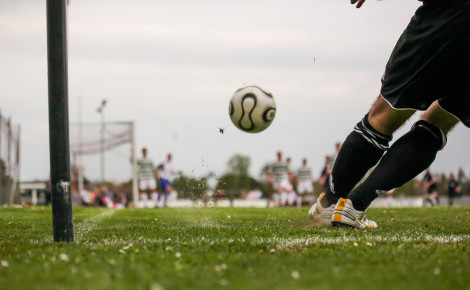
{"points": [[166, 171]]}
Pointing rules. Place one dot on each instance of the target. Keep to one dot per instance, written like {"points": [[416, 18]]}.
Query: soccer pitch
{"points": [[234, 248]]}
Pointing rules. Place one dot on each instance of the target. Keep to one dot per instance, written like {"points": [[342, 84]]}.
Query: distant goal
{"points": [[90, 141]]}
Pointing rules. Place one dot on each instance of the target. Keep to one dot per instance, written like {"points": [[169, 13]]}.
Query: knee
{"points": [[371, 135], [385, 119], [433, 131], [440, 118]]}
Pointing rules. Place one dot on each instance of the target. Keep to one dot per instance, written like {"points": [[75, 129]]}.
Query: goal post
{"points": [[59, 121]]}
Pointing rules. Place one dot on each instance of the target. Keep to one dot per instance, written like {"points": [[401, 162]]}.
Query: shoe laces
{"points": [[364, 217]]}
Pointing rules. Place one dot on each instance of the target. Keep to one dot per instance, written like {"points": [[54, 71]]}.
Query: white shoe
{"points": [[321, 216], [344, 214]]}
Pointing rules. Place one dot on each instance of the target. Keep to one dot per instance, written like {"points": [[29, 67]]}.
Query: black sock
{"points": [[406, 158], [361, 150]]}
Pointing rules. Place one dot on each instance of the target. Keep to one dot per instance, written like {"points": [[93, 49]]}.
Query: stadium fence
{"points": [[9, 161]]}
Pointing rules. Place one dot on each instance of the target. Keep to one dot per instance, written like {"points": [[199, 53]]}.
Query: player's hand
{"points": [[359, 3]]}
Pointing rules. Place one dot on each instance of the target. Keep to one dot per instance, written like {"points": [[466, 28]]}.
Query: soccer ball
{"points": [[252, 109]]}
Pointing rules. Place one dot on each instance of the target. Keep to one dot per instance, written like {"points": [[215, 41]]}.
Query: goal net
{"points": [[91, 143]]}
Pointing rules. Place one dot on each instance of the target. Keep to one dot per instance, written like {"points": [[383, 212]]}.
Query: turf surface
{"points": [[234, 248]]}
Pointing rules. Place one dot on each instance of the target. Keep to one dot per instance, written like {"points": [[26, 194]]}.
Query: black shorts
{"points": [[431, 60], [432, 188]]}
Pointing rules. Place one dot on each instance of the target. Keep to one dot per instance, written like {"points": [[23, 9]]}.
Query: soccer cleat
{"points": [[321, 216], [344, 214]]}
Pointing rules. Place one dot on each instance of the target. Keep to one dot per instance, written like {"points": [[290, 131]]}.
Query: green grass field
{"points": [[234, 248]]}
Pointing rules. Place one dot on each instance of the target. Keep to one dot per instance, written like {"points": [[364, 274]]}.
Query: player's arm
{"points": [[290, 176], [328, 170], [359, 3], [156, 172], [270, 176], [322, 179], [418, 183]]}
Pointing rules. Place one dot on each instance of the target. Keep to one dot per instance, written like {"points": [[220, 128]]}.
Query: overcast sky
{"points": [[172, 67]]}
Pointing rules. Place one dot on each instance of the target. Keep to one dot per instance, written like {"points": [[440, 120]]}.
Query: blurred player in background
{"points": [[430, 194], [291, 197], [165, 175], [324, 179], [333, 157], [428, 70], [304, 183], [146, 175], [278, 175], [453, 189]]}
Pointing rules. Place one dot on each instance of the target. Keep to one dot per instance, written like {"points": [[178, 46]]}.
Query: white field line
{"points": [[311, 240], [89, 224]]}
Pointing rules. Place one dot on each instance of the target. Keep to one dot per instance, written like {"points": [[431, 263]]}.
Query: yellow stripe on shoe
{"points": [[341, 204], [337, 217], [367, 225]]}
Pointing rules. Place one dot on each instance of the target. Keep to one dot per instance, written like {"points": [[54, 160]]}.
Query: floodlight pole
{"points": [[59, 120], [135, 188], [100, 110]]}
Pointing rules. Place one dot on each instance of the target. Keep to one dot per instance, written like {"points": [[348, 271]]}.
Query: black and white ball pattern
{"points": [[252, 109]]}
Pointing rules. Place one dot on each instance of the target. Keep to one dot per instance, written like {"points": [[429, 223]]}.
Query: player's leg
{"points": [[363, 148], [153, 191], [299, 200], [283, 198], [284, 195], [167, 191], [430, 59], [435, 196], [407, 157], [301, 191], [293, 195], [142, 190], [451, 198], [426, 199], [145, 187], [430, 198], [159, 192], [276, 194]]}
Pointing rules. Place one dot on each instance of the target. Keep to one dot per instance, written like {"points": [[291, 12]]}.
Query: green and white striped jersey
{"points": [[304, 174], [145, 169], [280, 171]]}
